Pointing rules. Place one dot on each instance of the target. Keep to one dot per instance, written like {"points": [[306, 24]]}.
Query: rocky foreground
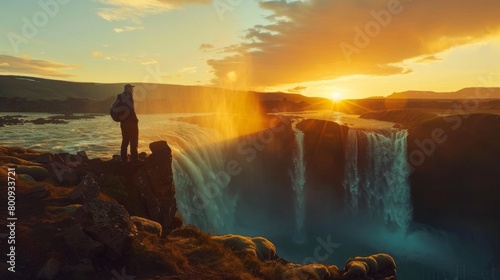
{"points": [[81, 218]]}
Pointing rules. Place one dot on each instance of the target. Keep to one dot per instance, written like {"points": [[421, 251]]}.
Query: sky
{"points": [[330, 48]]}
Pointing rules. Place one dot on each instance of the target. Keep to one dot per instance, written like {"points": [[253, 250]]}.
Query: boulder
{"points": [[87, 190], [147, 225], [83, 155], [26, 179], [109, 223], [38, 192], [37, 172], [49, 270], [142, 156], [160, 147], [355, 270], [258, 246], [264, 248], [45, 158], [307, 272], [4, 159], [64, 174], [80, 243], [83, 267], [378, 267]]}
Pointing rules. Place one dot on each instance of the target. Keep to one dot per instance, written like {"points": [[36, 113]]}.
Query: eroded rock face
{"points": [[155, 183], [108, 223], [456, 173]]}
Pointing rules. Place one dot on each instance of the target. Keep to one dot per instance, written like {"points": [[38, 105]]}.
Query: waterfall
{"points": [[376, 176], [200, 180], [298, 180]]}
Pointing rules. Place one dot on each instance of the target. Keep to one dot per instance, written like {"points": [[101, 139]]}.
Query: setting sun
{"points": [[336, 96]]}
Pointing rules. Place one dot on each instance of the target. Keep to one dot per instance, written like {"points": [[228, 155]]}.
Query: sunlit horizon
{"points": [[381, 48]]}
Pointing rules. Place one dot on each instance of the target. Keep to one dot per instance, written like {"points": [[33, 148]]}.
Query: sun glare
{"points": [[336, 96]]}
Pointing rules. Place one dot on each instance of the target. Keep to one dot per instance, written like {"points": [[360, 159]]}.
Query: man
{"points": [[129, 125]]}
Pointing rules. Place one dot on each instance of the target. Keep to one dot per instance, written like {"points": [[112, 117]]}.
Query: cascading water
{"points": [[376, 175], [200, 180], [298, 180]]}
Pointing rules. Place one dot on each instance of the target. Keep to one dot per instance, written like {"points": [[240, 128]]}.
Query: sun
{"points": [[336, 96]]}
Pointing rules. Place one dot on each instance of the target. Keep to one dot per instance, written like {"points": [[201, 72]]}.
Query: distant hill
{"points": [[466, 93], [19, 93]]}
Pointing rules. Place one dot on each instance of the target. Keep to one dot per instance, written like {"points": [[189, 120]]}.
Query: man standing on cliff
{"points": [[129, 125]]}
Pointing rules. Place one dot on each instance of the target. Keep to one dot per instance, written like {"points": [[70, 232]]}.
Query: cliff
{"points": [[78, 218]]}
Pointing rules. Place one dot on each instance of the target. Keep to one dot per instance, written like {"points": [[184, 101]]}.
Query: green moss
{"points": [[114, 187]]}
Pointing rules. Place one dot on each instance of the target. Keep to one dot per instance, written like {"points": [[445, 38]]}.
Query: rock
{"points": [[83, 267], [159, 169], [87, 190], [13, 160], [160, 147], [38, 192], [109, 223], [80, 243], [49, 270], [386, 265], [147, 225], [117, 158], [26, 179], [142, 156], [47, 121], [45, 158], [370, 261], [334, 272], [186, 232], [70, 209], [355, 270], [264, 248], [83, 155], [378, 267], [64, 174], [154, 181], [258, 246], [307, 272], [37, 172]]}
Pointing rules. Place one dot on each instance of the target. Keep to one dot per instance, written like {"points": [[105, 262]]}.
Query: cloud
{"points": [[147, 61], [188, 70], [297, 89], [319, 40], [28, 66], [97, 54], [134, 10], [427, 59], [128, 29], [206, 47]]}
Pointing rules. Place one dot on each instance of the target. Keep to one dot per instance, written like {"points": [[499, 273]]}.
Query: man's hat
{"points": [[128, 86]]}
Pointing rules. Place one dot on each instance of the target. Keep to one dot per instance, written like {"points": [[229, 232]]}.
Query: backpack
{"points": [[118, 110]]}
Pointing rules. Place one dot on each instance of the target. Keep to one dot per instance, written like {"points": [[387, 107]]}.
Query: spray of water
{"points": [[376, 176], [298, 181]]}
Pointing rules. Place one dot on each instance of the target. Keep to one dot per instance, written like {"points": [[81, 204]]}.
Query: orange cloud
{"points": [[322, 40], [206, 47], [28, 66], [134, 10]]}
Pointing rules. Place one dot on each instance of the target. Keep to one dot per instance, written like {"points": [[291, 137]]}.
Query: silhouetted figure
{"points": [[129, 125]]}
